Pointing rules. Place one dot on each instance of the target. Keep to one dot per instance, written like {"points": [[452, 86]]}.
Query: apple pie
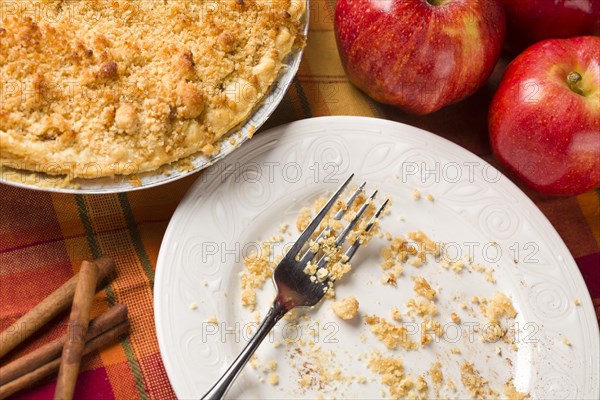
{"points": [[91, 88]]}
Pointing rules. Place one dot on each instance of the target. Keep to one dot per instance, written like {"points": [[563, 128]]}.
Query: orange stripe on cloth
{"points": [[590, 207], [121, 379]]}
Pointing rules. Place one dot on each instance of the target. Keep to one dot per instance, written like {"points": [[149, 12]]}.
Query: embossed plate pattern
{"points": [[245, 197]]}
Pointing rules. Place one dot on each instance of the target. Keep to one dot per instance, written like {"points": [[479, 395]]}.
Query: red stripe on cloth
{"points": [[159, 388], [28, 277], [590, 269], [29, 217], [90, 385]]}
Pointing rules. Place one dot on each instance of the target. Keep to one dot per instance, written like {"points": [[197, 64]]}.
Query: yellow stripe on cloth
{"points": [[321, 74]]}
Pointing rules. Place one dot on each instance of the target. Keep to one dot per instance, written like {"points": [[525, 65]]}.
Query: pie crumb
{"points": [[566, 342], [455, 318], [346, 308], [193, 306], [284, 228], [416, 195], [512, 393], [303, 219], [436, 373], [493, 309], [273, 378], [477, 385], [259, 268], [390, 334], [396, 314], [422, 287], [400, 386], [422, 306]]}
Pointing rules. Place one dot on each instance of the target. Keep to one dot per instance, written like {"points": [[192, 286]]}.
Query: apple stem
{"points": [[573, 80]]}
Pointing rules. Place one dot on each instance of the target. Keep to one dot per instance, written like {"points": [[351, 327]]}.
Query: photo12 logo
{"points": [[71, 11], [293, 333], [430, 172]]}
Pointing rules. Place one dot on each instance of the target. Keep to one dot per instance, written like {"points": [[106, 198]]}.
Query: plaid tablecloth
{"points": [[44, 237]]}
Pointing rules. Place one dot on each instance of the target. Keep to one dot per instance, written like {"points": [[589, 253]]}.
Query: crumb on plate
{"points": [[455, 318], [273, 378], [493, 310], [422, 287], [437, 376], [477, 386], [400, 386], [416, 194], [346, 308], [421, 306], [512, 393], [390, 334], [259, 268], [396, 314]]}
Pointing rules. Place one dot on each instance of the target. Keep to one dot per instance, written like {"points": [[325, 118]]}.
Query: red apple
{"points": [[529, 21], [419, 55], [545, 118]]}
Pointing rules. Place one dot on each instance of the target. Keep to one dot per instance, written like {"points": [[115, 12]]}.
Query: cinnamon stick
{"points": [[52, 350], [77, 330], [50, 307], [50, 368]]}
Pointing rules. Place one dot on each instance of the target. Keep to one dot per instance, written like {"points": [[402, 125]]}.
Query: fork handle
{"points": [[224, 383]]}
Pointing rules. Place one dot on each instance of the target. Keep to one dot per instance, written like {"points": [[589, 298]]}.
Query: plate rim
{"points": [[274, 133]]}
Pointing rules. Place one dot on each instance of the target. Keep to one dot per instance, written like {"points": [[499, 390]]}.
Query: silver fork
{"points": [[294, 286]]}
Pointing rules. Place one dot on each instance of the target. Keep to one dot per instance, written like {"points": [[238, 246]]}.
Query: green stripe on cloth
{"points": [[87, 225], [136, 238], [110, 296], [93, 244], [140, 384], [303, 99]]}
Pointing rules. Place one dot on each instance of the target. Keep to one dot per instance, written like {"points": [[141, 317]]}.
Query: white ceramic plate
{"points": [[123, 183], [246, 196]]}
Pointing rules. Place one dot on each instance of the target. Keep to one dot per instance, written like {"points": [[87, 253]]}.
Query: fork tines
{"points": [[309, 255], [344, 234]]}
